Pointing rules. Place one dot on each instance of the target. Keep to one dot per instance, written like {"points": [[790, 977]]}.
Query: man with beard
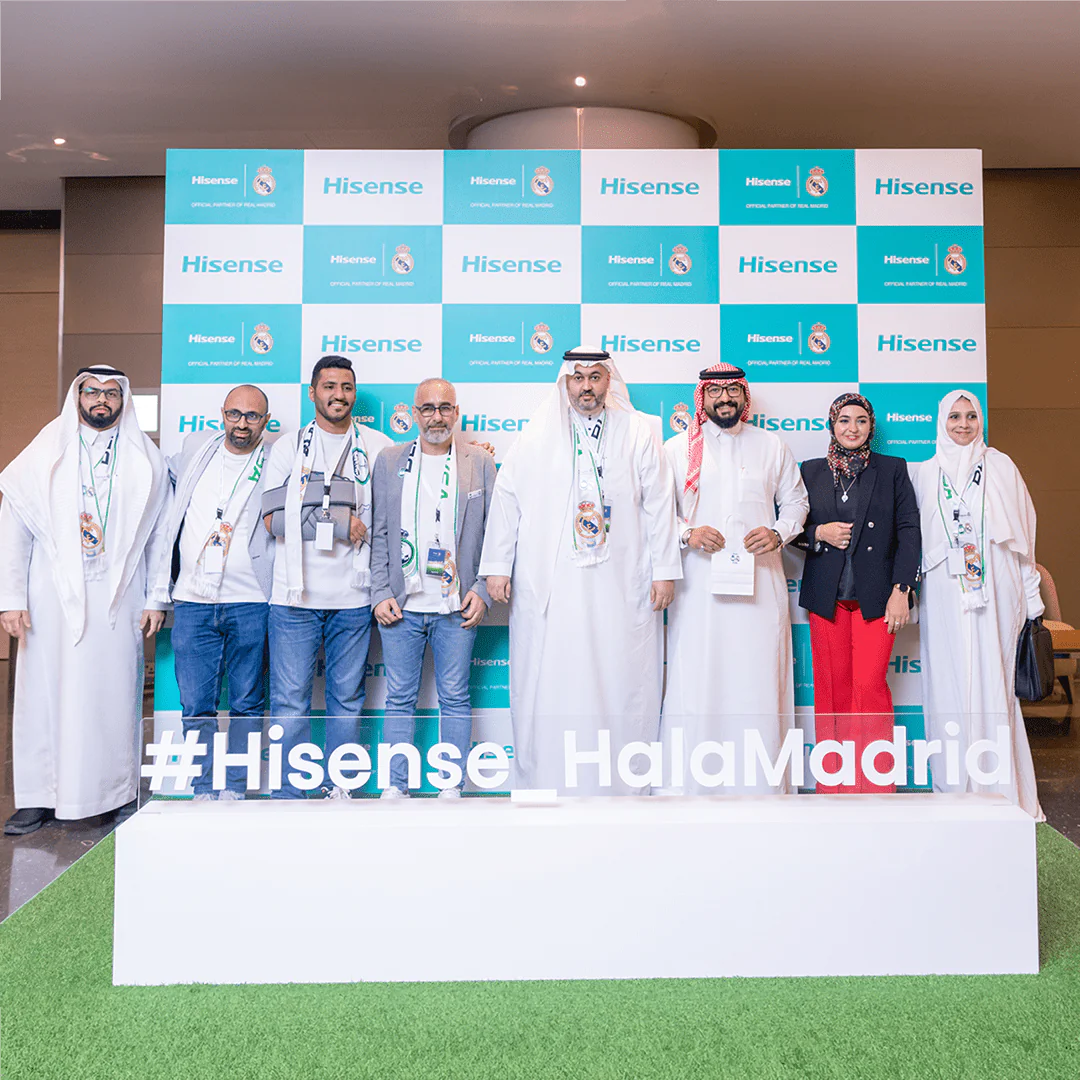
{"points": [[431, 502], [322, 566], [79, 530], [224, 563], [582, 526], [741, 498]]}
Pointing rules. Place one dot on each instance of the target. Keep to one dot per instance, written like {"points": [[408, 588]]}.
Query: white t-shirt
{"points": [[327, 574], [239, 585], [432, 467]]}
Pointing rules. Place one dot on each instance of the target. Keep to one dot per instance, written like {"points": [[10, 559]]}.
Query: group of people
{"points": [[590, 531]]}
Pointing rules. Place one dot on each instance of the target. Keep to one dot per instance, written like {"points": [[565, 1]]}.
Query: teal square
{"points": [[234, 187], [787, 187], [920, 264]]}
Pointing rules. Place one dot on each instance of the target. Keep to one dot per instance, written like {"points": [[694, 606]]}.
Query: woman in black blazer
{"points": [[862, 553]]}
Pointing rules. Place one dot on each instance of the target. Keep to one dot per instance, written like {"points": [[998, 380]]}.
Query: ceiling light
{"points": [[580, 80], [59, 142]]}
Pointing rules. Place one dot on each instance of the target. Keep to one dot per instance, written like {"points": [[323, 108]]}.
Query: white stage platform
{"points": [[609, 888]]}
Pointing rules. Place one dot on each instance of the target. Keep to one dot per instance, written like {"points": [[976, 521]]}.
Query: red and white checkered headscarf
{"points": [[718, 373]]}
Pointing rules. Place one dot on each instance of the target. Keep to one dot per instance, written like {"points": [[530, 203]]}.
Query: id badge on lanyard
{"points": [[963, 536]]}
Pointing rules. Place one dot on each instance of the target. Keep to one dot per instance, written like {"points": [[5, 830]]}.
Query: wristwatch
{"points": [[684, 537], [779, 539], [902, 588]]}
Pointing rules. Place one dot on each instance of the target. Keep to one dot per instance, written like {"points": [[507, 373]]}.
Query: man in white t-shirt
{"points": [[431, 502], [322, 576], [217, 569]]}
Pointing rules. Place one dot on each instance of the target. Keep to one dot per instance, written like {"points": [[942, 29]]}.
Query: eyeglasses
{"points": [[428, 411], [714, 391], [234, 416], [92, 393]]}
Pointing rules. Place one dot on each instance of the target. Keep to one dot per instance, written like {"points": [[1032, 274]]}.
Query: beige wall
{"points": [[1033, 344]]}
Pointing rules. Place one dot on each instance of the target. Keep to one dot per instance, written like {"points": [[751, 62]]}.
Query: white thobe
{"points": [[729, 657], [77, 725], [592, 658], [969, 665]]}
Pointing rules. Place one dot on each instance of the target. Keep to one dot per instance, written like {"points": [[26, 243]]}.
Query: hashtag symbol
{"points": [[174, 761]]}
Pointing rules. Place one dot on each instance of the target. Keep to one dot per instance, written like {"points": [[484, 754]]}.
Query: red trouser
{"points": [[852, 700]]}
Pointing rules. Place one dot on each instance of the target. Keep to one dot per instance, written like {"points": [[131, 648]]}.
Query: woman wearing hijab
{"points": [[862, 554], [979, 585]]}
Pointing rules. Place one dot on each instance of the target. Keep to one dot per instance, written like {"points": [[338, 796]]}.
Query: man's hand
{"points": [[473, 609], [357, 531], [387, 612], [16, 623], [705, 538], [661, 594], [761, 541], [151, 622], [484, 446], [897, 611], [498, 589], [267, 519], [836, 533]]}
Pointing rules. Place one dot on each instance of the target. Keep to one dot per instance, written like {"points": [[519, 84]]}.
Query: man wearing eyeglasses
{"points": [[740, 499], [431, 500], [218, 571], [79, 537]]}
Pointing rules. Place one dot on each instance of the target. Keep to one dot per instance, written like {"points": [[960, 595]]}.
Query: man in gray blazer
{"points": [[431, 499], [217, 569]]}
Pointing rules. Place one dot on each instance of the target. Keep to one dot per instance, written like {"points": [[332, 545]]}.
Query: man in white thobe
{"points": [[79, 527], [741, 498], [582, 526]]}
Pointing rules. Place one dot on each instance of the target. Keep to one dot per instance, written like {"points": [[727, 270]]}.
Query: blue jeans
{"points": [[295, 636], [207, 641], [403, 653]]}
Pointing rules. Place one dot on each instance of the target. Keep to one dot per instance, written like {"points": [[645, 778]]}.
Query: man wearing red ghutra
{"points": [[740, 499]]}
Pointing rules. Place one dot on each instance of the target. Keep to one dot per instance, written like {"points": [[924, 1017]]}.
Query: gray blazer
{"points": [[476, 479], [261, 545]]}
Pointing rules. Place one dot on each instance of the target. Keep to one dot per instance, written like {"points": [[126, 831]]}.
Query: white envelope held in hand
{"points": [[732, 571]]}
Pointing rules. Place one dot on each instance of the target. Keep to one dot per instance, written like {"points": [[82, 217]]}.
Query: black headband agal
{"points": [[586, 358], [100, 372], [714, 376]]}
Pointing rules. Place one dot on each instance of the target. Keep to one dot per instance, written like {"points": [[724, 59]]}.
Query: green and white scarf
{"points": [[413, 554], [588, 533], [959, 511]]}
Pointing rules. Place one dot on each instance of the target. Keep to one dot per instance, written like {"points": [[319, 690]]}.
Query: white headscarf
{"points": [[42, 485], [543, 464], [1010, 514]]}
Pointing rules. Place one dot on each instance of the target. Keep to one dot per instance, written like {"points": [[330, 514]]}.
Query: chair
{"points": [[1065, 664]]}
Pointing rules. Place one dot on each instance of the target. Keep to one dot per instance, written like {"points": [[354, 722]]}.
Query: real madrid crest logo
{"points": [[680, 262], [680, 418], [818, 340], [542, 183], [955, 262], [816, 184], [973, 565], [264, 182], [449, 575], [588, 522], [90, 531], [541, 340], [402, 261], [360, 465], [401, 418], [261, 341]]}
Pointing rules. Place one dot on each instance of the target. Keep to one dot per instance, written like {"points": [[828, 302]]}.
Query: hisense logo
{"points": [[764, 181], [342, 185], [203, 264], [769, 339], [340, 343], [619, 185], [789, 423], [622, 343], [907, 418], [200, 422], [498, 339], [211, 339], [503, 181], [215, 180], [758, 264], [481, 264], [896, 343], [906, 665], [893, 185], [483, 422]]}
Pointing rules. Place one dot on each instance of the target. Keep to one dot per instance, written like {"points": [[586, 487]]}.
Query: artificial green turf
{"points": [[60, 1017]]}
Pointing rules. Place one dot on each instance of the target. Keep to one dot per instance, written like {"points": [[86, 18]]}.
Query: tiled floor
{"points": [[29, 863]]}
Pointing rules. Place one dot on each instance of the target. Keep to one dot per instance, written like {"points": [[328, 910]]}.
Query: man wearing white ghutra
{"points": [[322, 567], [79, 532], [582, 526]]}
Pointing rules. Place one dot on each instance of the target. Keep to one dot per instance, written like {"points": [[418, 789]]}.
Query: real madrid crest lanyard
{"points": [[109, 457], [970, 565]]}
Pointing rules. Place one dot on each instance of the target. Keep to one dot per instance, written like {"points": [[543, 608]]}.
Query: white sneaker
{"points": [[229, 795], [339, 793], [393, 793], [205, 797], [450, 793]]}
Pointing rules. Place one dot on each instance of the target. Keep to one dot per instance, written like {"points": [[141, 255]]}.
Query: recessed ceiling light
{"points": [[59, 142], [580, 80]]}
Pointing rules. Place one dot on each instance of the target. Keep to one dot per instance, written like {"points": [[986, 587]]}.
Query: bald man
{"points": [[218, 571]]}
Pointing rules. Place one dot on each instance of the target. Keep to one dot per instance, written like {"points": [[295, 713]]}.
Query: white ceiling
{"points": [[124, 80]]}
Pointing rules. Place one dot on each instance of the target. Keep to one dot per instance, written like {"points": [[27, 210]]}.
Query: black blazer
{"points": [[886, 543]]}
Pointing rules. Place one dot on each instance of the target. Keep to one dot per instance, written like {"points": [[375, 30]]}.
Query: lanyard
{"points": [[598, 471], [977, 478], [444, 493], [110, 456]]}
